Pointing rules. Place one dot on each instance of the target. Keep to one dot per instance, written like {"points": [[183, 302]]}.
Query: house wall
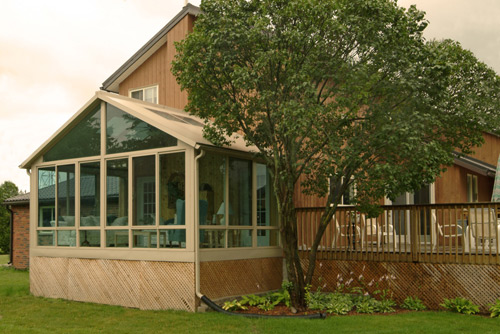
{"points": [[451, 186], [21, 237], [156, 69], [147, 285], [489, 151], [222, 279], [430, 282]]}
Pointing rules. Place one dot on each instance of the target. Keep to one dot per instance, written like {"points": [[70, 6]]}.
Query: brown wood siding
{"points": [[306, 201], [489, 151], [451, 186], [156, 69]]}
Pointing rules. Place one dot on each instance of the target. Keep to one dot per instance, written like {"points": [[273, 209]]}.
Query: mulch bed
{"points": [[283, 310]]}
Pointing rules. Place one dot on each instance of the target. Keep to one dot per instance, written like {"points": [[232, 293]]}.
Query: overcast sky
{"points": [[54, 54]]}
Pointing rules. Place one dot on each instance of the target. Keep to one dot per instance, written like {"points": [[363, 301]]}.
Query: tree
{"points": [[334, 89], [7, 189]]}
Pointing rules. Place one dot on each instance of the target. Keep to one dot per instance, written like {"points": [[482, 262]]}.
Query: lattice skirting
{"points": [[430, 282], [220, 279], [148, 285]]}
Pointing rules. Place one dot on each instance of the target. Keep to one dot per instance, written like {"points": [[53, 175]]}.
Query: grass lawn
{"points": [[4, 258], [22, 313]]}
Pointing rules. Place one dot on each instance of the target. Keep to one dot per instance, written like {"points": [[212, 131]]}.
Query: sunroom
{"points": [[134, 207]]}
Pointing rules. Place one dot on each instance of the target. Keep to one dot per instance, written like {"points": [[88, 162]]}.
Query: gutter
{"points": [[11, 252]]}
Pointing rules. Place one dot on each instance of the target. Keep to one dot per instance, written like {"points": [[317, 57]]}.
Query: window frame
{"points": [[226, 227], [143, 90], [472, 188]]}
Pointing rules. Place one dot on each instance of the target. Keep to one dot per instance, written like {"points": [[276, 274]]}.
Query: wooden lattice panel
{"points": [[430, 282], [48, 277], [141, 284], [219, 279], [167, 285], [105, 281]]}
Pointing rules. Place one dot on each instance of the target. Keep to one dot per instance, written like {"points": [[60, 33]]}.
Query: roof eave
{"points": [[111, 84], [475, 165]]}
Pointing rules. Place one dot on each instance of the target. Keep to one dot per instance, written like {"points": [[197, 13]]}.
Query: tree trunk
{"points": [[293, 265]]}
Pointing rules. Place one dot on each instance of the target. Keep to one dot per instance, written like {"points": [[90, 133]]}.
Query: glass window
{"points": [[117, 192], [145, 238], [66, 195], [239, 238], [137, 94], [117, 238], [172, 190], [125, 133], [212, 191], [266, 201], [148, 94], [212, 238], [240, 192], [172, 238], [46, 238], [90, 182], [144, 192], [66, 238], [90, 238], [83, 140], [267, 238], [46, 197]]}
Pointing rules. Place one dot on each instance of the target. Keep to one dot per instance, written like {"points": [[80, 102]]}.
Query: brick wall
{"points": [[21, 242]]}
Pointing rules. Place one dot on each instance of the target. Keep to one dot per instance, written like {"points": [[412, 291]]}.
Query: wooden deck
{"points": [[440, 233]]}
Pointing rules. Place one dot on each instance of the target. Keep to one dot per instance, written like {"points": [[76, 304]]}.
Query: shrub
{"points": [[413, 303], [495, 309], [366, 305], [460, 305], [385, 306], [234, 305]]}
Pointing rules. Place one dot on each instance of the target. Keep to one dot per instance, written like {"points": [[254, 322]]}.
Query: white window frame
{"points": [[354, 192], [472, 188], [143, 89]]}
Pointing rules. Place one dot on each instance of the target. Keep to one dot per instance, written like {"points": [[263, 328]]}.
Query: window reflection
{"points": [[66, 195], [212, 191], [240, 192], [47, 197], [144, 192], [90, 193], [84, 140], [117, 192], [172, 189], [125, 133]]}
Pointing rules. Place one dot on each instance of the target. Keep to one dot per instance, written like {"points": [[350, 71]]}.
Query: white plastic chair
{"points": [[483, 231]]}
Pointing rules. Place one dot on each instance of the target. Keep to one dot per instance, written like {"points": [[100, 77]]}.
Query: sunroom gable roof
{"points": [[175, 122]]}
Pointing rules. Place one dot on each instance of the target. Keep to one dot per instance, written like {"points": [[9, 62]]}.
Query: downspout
{"points": [[197, 225], [204, 298], [11, 253]]}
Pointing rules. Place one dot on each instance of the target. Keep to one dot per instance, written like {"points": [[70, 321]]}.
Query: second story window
{"points": [[147, 94]]}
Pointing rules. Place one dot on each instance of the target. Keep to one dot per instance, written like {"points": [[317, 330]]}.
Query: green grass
{"points": [[4, 259], [22, 313]]}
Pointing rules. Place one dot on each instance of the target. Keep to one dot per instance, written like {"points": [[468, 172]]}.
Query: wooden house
{"points": [[131, 206]]}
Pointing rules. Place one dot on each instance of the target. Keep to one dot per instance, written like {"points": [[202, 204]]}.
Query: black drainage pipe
{"points": [[217, 308]]}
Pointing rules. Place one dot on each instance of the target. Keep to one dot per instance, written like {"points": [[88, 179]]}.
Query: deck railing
{"points": [[434, 233]]}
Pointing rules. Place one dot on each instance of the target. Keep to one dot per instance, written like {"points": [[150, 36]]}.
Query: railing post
{"points": [[414, 234]]}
